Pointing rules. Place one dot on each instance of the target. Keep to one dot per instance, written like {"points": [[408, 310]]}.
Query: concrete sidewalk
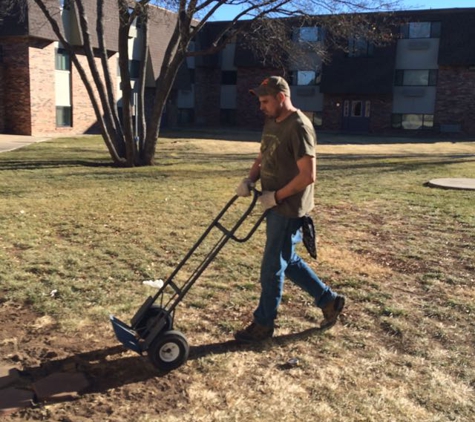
{"points": [[12, 142]]}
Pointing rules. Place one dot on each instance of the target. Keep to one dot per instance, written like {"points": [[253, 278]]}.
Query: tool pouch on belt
{"points": [[309, 236]]}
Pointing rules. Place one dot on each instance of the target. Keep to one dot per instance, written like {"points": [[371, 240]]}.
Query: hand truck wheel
{"points": [[169, 351], [147, 320]]}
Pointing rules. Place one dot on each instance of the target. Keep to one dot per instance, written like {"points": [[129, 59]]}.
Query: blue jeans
{"points": [[280, 260]]}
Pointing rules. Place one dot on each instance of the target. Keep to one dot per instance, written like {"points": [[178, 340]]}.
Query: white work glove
{"points": [[267, 199], [244, 188]]}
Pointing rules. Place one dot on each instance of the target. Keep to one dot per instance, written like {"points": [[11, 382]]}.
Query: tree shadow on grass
{"points": [[115, 367], [49, 164]]}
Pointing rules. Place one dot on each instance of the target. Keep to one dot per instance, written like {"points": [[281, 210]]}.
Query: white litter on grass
{"points": [[158, 284]]}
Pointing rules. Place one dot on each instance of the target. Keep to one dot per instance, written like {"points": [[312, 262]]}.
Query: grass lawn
{"points": [[78, 237]]}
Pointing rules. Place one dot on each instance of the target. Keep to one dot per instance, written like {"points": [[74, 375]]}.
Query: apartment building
{"points": [[422, 82], [41, 92]]}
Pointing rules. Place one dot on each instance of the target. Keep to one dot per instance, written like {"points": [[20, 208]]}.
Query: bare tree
{"points": [[263, 24]]}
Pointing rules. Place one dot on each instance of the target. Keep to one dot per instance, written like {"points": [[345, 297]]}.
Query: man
{"points": [[286, 166]]}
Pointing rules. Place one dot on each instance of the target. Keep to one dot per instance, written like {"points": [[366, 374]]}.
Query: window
{"points": [[308, 34], [120, 114], [62, 60], [317, 119], [416, 78], [63, 116], [360, 47], [139, 20], [306, 77], [421, 30], [134, 69], [428, 121], [65, 4], [314, 116], [412, 121], [228, 77], [357, 109]]}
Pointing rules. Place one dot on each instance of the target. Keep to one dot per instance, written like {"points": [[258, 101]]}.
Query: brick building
{"points": [[41, 91], [423, 82]]}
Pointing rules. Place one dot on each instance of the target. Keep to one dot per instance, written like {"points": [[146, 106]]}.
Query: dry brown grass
{"points": [[401, 253]]}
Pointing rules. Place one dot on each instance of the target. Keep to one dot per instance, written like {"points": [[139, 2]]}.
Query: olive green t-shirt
{"points": [[282, 145]]}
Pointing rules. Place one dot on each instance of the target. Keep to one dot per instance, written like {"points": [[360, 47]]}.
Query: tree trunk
{"points": [[111, 105], [142, 124], [110, 143], [127, 124]]}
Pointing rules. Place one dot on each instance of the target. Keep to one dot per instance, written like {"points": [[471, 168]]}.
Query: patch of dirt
{"points": [[124, 386], [121, 383]]}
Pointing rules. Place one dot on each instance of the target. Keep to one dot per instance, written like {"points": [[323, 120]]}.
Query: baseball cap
{"points": [[271, 86]]}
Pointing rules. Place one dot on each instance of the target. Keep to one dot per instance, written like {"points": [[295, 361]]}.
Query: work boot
{"points": [[331, 312], [254, 333]]}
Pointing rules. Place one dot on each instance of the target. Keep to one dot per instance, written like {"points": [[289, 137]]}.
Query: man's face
{"points": [[271, 105]]}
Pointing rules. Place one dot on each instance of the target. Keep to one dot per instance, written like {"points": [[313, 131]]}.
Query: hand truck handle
{"points": [[256, 193]]}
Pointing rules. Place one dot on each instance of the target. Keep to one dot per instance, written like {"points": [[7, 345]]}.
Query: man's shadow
{"points": [[105, 369]]}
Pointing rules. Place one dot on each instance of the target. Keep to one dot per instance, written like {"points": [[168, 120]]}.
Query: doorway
{"points": [[356, 115]]}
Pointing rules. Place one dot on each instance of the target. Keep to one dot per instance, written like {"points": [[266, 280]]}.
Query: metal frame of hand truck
{"points": [[151, 328]]}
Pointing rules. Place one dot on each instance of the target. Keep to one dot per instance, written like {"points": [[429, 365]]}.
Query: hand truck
{"points": [[151, 328]]}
